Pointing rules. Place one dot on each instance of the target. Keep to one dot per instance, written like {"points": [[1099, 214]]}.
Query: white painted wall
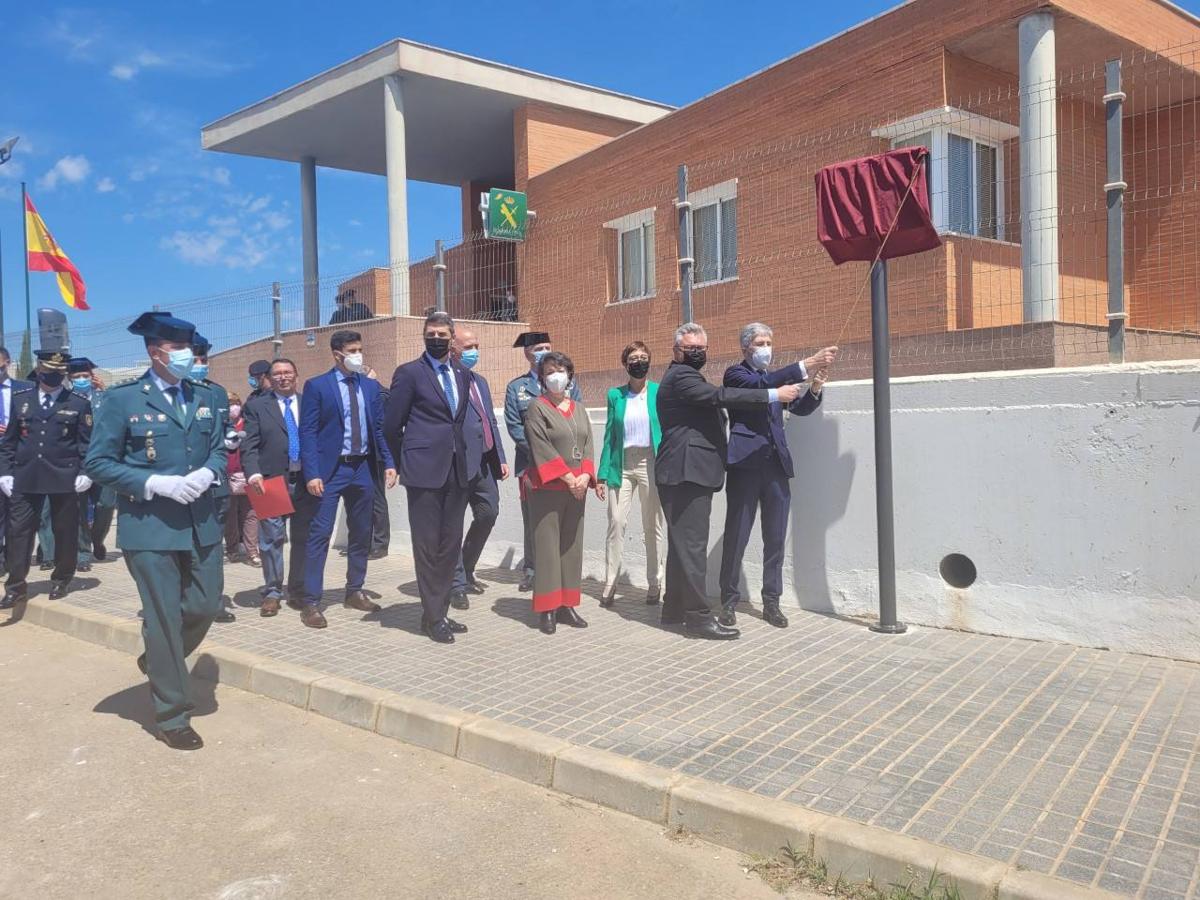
{"points": [[1076, 492]]}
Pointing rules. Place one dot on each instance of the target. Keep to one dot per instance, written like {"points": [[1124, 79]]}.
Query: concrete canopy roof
{"points": [[458, 114]]}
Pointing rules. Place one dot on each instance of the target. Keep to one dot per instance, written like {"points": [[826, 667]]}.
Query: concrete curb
{"points": [[727, 816]]}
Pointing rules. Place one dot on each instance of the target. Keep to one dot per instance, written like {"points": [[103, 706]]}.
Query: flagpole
{"points": [[2, 342], [25, 241]]}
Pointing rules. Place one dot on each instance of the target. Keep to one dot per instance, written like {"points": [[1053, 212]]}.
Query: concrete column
{"points": [[397, 193], [1039, 167], [308, 238]]}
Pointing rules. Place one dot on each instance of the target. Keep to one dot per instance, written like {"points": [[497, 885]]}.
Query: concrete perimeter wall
{"points": [[1076, 493]]}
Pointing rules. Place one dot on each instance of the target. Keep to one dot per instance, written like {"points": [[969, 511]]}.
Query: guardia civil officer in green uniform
{"points": [[201, 346], [41, 462], [522, 391], [158, 442]]}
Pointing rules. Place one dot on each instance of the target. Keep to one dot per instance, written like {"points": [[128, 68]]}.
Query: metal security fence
{"points": [[1068, 213]]}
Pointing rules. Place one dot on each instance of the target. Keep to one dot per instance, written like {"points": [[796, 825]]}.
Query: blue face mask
{"points": [[469, 358], [179, 362], [253, 383], [82, 385], [199, 370], [537, 357]]}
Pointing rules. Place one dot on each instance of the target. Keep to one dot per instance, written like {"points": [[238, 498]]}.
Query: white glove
{"points": [[173, 487], [82, 483], [6, 485], [233, 439], [201, 480]]}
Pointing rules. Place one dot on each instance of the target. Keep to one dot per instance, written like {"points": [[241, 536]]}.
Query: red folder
{"points": [[275, 500]]}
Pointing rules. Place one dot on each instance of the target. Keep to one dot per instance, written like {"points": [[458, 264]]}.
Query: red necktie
{"points": [[488, 441]]}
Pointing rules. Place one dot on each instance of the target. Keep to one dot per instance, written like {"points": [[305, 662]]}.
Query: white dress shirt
{"points": [[637, 418]]}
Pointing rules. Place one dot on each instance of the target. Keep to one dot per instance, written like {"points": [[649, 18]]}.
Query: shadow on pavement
{"points": [[404, 616], [134, 704]]}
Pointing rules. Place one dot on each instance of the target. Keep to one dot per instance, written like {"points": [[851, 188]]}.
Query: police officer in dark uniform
{"points": [[41, 461], [201, 346], [159, 443], [98, 504], [522, 391]]}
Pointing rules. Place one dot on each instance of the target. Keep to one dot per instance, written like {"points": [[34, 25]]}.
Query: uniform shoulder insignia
{"points": [[126, 382]]}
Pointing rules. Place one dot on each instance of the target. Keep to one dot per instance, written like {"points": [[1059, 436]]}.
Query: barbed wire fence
{"points": [[1012, 286]]}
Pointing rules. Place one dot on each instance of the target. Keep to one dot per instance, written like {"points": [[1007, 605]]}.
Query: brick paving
{"points": [[1074, 762]]}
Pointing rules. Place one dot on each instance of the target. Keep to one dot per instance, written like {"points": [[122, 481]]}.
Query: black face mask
{"points": [[437, 347], [695, 358], [50, 379], [638, 368]]}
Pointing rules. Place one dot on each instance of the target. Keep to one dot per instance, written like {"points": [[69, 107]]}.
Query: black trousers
{"points": [[435, 518], [381, 521], [687, 508], [25, 511], [483, 495]]}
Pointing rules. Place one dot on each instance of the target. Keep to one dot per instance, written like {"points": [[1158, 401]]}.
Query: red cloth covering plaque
{"points": [[857, 202]]}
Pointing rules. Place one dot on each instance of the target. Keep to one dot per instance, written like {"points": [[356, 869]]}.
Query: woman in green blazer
{"points": [[631, 437]]}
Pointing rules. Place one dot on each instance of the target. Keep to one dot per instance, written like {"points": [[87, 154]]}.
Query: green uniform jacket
{"points": [[221, 400], [612, 456], [138, 433]]}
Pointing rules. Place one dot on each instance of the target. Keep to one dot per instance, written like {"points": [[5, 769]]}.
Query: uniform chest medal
{"points": [[151, 453], [204, 413]]}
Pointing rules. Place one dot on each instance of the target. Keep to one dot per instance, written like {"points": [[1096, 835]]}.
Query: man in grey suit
{"points": [[485, 458], [272, 447]]}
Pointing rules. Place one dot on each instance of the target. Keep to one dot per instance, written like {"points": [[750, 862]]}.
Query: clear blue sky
{"points": [[109, 102]]}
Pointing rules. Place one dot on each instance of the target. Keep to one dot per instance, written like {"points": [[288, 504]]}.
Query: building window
{"points": [[635, 255], [965, 170], [714, 233]]}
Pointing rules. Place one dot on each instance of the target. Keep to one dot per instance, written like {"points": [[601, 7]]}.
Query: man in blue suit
{"points": [[759, 466], [341, 438], [485, 464], [426, 412]]}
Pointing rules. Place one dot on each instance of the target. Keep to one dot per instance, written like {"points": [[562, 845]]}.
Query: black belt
{"points": [[352, 458]]}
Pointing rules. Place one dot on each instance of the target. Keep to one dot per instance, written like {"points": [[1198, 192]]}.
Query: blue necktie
{"points": [[3, 414], [293, 430], [448, 388]]}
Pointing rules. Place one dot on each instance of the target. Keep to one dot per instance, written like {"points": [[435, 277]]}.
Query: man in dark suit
{"points": [[760, 466], [41, 461], [485, 457], [341, 437], [272, 448], [424, 423], [689, 468], [8, 387]]}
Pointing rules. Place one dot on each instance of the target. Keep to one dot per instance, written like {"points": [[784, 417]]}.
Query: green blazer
{"points": [[612, 457]]}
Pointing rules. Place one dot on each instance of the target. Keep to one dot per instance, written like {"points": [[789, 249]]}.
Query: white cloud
{"points": [[106, 185], [68, 170], [354, 223], [219, 175], [123, 72], [198, 247], [276, 221]]}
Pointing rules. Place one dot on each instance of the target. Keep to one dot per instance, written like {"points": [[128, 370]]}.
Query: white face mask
{"points": [[761, 357], [353, 361], [558, 381]]}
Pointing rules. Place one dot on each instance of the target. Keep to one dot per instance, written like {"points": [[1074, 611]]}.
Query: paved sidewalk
{"points": [[1073, 762]]}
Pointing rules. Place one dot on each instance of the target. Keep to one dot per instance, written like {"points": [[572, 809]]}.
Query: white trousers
{"points": [[637, 478]]}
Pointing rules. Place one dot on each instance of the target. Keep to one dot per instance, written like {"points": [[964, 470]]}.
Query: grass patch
{"points": [[792, 868]]}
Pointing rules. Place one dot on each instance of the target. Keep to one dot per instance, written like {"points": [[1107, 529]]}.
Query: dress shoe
{"points": [[358, 600], [58, 589], [99, 551], [378, 554], [11, 599], [608, 600], [184, 738], [728, 617], [670, 620], [653, 596], [709, 629], [475, 586], [312, 616], [526, 584], [546, 622], [459, 600], [141, 663], [225, 616], [269, 607], [83, 567], [46, 566], [456, 627], [253, 562], [772, 615], [567, 616], [296, 603], [438, 631]]}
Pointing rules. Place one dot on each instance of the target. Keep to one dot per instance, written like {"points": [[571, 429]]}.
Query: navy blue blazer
{"points": [[477, 457], [321, 428], [424, 435], [754, 431]]}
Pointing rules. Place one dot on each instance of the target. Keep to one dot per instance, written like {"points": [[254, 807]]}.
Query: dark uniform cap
{"points": [[532, 338], [259, 368], [54, 360], [200, 345], [164, 326], [77, 364]]}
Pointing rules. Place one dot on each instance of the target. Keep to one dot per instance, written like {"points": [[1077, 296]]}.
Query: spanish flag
{"points": [[46, 256]]}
